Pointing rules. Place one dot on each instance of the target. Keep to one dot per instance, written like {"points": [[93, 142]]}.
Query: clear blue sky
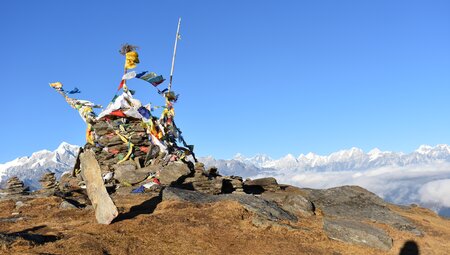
{"points": [[272, 77]]}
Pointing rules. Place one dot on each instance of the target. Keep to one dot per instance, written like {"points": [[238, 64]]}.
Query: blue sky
{"points": [[272, 77]]}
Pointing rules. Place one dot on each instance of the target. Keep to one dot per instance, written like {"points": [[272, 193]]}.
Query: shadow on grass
{"points": [[146, 207]]}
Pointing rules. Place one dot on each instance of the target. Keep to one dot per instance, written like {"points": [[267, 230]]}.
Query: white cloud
{"points": [[436, 192], [425, 184]]}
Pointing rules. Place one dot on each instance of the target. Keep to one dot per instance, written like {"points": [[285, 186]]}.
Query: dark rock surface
{"points": [[173, 173], [357, 233], [258, 186], [128, 173], [293, 203], [356, 203], [261, 207]]}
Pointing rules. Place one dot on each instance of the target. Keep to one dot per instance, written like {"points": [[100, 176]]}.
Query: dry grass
{"points": [[173, 227]]}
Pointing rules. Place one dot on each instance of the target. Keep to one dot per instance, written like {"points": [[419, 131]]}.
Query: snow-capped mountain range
{"points": [[421, 177], [344, 160], [30, 169]]}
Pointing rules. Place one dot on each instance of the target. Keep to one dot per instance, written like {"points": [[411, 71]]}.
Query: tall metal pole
{"points": [[174, 54]]}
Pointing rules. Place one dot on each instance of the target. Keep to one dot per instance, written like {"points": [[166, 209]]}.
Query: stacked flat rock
{"points": [[261, 185], [211, 182], [109, 148], [236, 183], [48, 181], [15, 186]]}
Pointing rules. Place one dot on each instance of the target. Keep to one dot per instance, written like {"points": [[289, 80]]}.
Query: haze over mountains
{"points": [[421, 177]]}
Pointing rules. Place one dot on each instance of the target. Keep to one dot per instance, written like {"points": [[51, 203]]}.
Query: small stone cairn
{"points": [[15, 186], [211, 182], [48, 182]]}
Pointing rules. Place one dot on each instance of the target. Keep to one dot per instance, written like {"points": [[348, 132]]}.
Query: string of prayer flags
{"points": [[146, 75]]}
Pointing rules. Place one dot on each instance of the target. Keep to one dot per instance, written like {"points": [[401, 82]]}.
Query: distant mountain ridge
{"points": [[30, 169], [351, 159], [419, 177]]}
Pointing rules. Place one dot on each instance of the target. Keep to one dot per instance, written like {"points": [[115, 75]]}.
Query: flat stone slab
{"points": [[357, 233], [293, 203], [105, 210], [356, 203]]}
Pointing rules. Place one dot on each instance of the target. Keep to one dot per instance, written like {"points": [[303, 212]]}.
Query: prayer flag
{"points": [[129, 75], [74, 91], [151, 77], [131, 59]]}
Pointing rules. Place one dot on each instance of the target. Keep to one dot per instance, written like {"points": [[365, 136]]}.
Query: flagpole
{"points": [[174, 54]]}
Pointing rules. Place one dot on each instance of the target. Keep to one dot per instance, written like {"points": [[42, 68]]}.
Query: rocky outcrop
{"points": [[173, 173], [291, 202], [258, 186], [357, 233], [261, 207], [347, 209], [354, 202]]}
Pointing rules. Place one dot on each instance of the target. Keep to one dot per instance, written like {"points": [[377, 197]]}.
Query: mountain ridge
{"points": [[398, 177]]}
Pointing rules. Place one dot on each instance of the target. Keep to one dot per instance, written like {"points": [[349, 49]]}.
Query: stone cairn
{"points": [[109, 148], [48, 182], [14, 186]]}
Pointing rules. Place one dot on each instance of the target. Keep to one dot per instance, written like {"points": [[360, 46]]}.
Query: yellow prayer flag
{"points": [[131, 59], [56, 85]]}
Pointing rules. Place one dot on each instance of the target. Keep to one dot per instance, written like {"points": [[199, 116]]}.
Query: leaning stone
{"points": [[105, 210], [357, 233]]}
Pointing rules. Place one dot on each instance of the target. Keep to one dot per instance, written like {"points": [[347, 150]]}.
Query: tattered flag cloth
{"points": [[151, 77], [121, 84], [144, 112], [132, 58], [129, 75], [74, 91], [157, 80], [139, 75], [56, 85]]}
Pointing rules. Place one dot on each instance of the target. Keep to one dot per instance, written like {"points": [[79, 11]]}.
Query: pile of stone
{"points": [[211, 182], [15, 186], [109, 147], [48, 181]]}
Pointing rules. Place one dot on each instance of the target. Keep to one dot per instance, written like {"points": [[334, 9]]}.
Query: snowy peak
{"points": [[260, 160], [350, 159], [30, 169]]}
